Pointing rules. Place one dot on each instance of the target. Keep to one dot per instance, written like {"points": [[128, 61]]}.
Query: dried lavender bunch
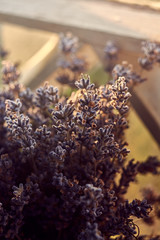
{"points": [[71, 65], [59, 162]]}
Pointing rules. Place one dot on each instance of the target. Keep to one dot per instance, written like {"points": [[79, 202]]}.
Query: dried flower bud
{"points": [[9, 73], [68, 43]]}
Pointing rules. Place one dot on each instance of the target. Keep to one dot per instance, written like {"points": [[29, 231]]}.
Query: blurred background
{"points": [[31, 33]]}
